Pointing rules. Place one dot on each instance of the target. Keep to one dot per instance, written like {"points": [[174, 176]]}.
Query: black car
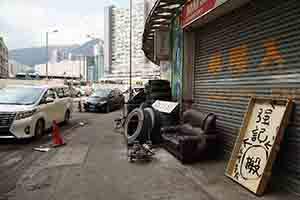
{"points": [[104, 100]]}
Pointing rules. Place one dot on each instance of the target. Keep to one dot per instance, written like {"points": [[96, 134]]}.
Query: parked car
{"points": [[104, 100], [26, 111]]}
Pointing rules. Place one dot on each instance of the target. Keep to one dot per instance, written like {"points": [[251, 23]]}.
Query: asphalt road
{"points": [[17, 156]]}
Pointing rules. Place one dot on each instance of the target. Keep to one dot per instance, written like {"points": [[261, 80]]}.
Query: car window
{"points": [[66, 92], [20, 95], [101, 93], [113, 93], [49, 93], [60, 92]]}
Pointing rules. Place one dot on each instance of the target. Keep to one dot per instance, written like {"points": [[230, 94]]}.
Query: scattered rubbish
{"points": [[82, 123], [42, 149], [139, 152], [38, 186], [57, 140]]}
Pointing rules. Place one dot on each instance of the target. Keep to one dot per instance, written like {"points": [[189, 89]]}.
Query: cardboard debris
{"points": [[82, 123], [42, 149]]}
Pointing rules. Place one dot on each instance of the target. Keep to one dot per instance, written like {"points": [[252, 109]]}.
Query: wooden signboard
{"points": [[258, 143]]}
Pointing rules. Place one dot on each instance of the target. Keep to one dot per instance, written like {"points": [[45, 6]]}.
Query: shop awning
{"points": [[159, 17]]}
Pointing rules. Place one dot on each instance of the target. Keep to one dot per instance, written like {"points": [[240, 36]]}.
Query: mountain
{"points": [[38, 55], [87, 49]]}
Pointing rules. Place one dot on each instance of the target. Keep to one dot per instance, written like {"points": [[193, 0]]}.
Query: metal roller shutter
{"points": [[255, 50]]}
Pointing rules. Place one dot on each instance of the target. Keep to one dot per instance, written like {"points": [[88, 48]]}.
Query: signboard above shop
{"points": [[196, 9]]}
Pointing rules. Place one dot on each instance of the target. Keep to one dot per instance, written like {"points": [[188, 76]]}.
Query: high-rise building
{"points": [[15, 67], [3, 59], [117, 42]]}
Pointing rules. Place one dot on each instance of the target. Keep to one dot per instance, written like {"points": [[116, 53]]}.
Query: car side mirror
{"points": [[49, 100]]}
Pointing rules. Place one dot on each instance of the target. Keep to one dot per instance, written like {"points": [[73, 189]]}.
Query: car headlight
{"points": [[25, 114], [102, 102]]}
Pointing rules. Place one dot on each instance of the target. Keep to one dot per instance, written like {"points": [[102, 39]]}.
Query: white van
{"points": [[27, 111]]}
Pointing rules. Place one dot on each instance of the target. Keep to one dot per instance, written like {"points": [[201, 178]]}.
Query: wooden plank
{"points": [[258, 142]]}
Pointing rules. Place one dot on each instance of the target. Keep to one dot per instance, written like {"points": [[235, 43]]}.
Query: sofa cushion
{"points": [[194, 118], [184, 129], [171, 140]]}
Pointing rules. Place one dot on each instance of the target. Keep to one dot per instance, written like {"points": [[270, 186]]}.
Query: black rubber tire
{"points": [[131, 137], [67, 117], [145, 105], [155, 135], [163, 98], [158, 82], [39, 129], [159, 88], [162, 94], [167, 119], [147, 128], [141, 131]]}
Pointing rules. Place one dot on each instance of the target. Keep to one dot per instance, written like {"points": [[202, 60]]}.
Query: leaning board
{"points": [[258, 143]]}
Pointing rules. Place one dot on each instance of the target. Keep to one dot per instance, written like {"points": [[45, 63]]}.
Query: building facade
{"points": [[3, 59], [95, 63], [117, 42], [63, 69], [15, 67], [229, 51]]}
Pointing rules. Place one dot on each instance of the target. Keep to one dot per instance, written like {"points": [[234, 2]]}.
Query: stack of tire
{"points": [[158, 90], [144, 124], [161, 90]]}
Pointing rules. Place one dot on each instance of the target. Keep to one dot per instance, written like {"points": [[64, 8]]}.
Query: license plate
{"points": [[92, 106]]}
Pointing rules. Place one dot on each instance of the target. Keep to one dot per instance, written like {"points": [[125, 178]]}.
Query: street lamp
{"points": [[47, 33]]}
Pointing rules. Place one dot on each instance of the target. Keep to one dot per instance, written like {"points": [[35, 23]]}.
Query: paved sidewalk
{"points": [[93, 165]]}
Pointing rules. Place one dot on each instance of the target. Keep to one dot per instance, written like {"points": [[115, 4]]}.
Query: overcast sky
{"points": [[23, 23]]}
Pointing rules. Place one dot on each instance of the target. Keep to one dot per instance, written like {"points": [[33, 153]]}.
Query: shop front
{"points": [[227, 51], [235, 50]]}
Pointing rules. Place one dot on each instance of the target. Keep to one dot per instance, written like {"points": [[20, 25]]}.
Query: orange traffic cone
{"points": [[57, 140]]}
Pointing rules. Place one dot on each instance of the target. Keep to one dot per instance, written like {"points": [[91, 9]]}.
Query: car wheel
{"points": [[39, 128], [67, 117]]}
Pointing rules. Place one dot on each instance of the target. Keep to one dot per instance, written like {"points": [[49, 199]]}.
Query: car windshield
{"points": [[19, 95], [101, 93]]}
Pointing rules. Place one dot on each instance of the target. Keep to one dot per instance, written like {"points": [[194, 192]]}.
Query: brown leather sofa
{"points": [[195, 139]]}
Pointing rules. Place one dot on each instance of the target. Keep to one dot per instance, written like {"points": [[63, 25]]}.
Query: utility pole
{"points": [[130, 50], [47, 56], [79, 67], [47, 49]]}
